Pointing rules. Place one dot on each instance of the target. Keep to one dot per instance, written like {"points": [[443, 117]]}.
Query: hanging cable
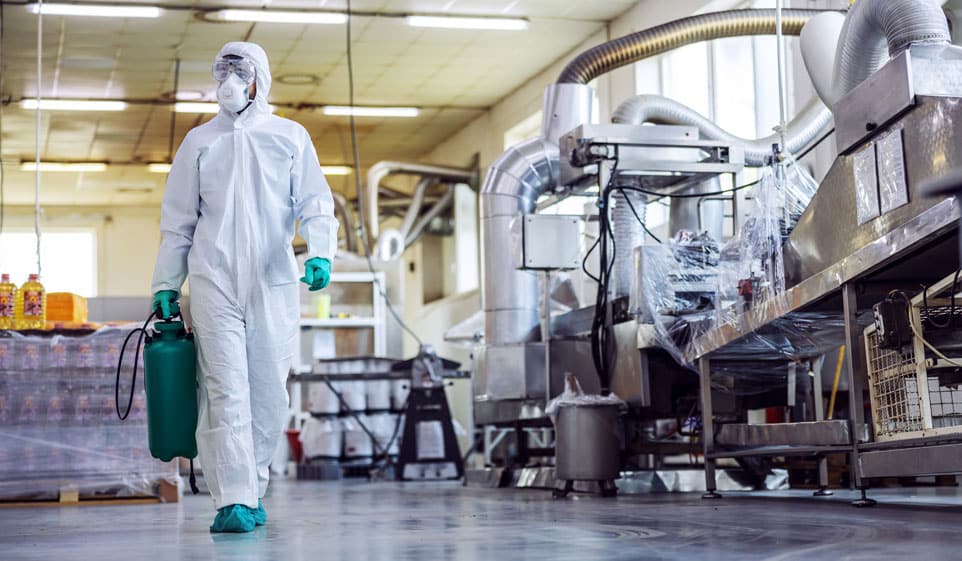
{"points": [[600, 329], [689, 195], [173, 114], [3, 174], [36, 191], [357, 183], [915, 329], [641, 221]]}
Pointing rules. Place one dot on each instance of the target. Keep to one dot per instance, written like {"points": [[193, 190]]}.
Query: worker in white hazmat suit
{"points": [[236, 186]]}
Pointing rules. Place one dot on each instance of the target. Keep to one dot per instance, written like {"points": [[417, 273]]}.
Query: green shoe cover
{"points": [[233, 518], [260, 515]]}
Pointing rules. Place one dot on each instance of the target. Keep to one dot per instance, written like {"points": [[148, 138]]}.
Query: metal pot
{"points": [[588, 442]]}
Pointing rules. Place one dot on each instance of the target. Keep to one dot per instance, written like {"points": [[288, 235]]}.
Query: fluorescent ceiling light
{"points": [[158, 168], [73, 104], [507, 24], [202, 107], [276, 16], [347, 110], [74, 167], [337, 170], [196, 107], [96, 10]]}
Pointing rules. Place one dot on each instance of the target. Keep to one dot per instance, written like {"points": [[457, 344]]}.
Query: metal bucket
{"points": [[588, 442]]}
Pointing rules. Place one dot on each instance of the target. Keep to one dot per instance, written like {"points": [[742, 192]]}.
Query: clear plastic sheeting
{"points": [[573, 395], [58, 424], [751, 267], [695, 294]]}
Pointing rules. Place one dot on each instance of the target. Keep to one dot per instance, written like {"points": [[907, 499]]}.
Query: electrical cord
{"points": [[600, 332], [637, 216], [381, 452], [915, 330], [689, 195], [584, 261], [362, 228]]}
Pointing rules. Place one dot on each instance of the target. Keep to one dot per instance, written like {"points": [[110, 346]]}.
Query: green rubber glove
{"points": [[165, 302], [317, 273]]}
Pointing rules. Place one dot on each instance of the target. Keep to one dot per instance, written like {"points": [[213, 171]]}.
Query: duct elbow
{"points": [[873, 25], [819, 41]]}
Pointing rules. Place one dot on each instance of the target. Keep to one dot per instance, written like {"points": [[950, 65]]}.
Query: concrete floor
{"points": [[359, 521]]}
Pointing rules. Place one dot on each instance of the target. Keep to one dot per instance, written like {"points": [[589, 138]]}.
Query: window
{"points": [[685, 77], [731, 81], [68, 259]]}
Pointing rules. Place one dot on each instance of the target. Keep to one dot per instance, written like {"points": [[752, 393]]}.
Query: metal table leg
{"points": [[856, 376], [819, 403], [707, 428]]}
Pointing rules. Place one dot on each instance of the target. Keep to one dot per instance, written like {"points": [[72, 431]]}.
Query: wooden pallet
{"points": [[166, 493]]}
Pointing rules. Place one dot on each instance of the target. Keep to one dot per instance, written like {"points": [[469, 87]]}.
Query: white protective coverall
{"points": [[235, 188]]}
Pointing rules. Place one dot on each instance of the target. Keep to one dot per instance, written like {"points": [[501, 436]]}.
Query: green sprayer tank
{"points": [[171, 384]]}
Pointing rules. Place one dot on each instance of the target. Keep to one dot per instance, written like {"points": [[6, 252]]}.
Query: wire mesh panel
{"points": [[896, 404], [897, 408], [946, 403]]}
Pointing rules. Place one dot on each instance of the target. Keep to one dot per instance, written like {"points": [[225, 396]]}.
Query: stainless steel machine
{"points": [[867, 230]]}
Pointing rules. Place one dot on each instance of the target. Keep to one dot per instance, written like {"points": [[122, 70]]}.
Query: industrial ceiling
{"points": [[452, 75]]}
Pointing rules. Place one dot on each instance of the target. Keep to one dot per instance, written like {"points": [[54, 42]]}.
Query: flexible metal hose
{"points": [[871, 24], [813, 119], [657, 40]]}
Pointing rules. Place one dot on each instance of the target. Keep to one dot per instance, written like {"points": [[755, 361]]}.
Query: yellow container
{"points": [[8, 296], [323, 302], [31, 305], [66, 307]]}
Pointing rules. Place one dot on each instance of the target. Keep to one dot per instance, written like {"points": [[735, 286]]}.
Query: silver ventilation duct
{"points": [[380, 170], [346, 218], [657, 40], [417, 201], [871, 25], [628, 234], [511, 188], [414, 233], [698, 214], [813, 120]]}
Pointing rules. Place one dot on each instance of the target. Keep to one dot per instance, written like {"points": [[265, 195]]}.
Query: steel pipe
{"points": [[380, 170], [346, 218]]}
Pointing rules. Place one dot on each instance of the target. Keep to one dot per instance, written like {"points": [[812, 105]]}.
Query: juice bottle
{"points": [[31, 306], [8, 294]]}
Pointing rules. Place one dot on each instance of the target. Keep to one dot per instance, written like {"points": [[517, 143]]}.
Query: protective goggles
{"points": [[242, 68]]}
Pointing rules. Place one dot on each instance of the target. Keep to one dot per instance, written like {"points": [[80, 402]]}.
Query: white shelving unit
{"points": [[377, 323]]}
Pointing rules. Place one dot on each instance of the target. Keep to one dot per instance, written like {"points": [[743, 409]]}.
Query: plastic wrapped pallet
{"points": [[58, 424]]}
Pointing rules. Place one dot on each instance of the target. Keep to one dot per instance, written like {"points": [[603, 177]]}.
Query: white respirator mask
{"points": [[233, 94]]}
